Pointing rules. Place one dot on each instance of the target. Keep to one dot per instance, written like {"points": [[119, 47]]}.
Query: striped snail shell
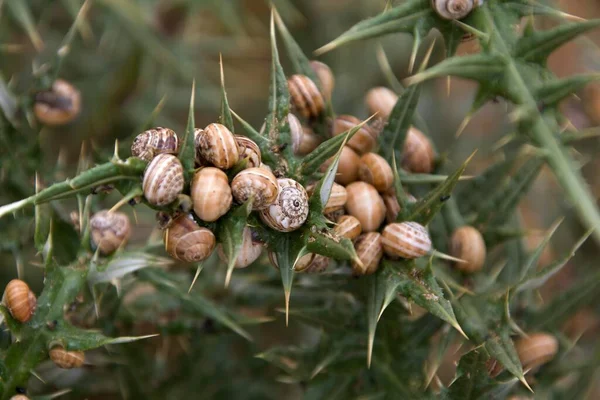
{"points": [[304, 140], [348, 226], [375, 170], [249, 251], [325, 76], [188, 242], [310, 263], [366, 205], [381, 100], [363, 141], [248, 150], [20, 300], [155, 141], [392, 206], [417, 153], [467, 244], [337, 199], [369, 250], [66, 359], [536, 349], [290, 209], [454, 9], [406, 240], [217, 146], [305, 96], [59, 105], [163, 180], [109, 231], [211, 194], [256, 183]]}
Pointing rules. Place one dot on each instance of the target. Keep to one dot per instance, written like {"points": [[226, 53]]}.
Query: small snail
{"points": [[163, 180], [363, 141], [155, 141], [369, 250], [337, 199], [305, 96], [467, 244], [249, 251], [454, 9], [406, 240], [348, 227], [417, 153], [248, 150], [188, 242], [375, 170], [290, 209], [304, 140], [217, 146], [366, 205], [381, 100], [325, 76], [347, 171], [211, 194], [536, 349], [59, 105], [109, 231], [310, 263], [20, 300], [66, 359], [258, 183], [19, 397]]}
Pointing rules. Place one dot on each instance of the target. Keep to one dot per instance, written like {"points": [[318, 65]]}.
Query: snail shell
{"points": [[363, 141], [337, 199], [375, 170], [304, 140], [536, 349], [19, 300], [325, 76], [310, 263], [109, 231], [211, 194], [19, 397], [217, 146], [155, 141], [366, 205], [406, 240], [381, 100], [258, 183], [369, 250], [417, 153], [347, 171], [454, 9], [163, 180], [290, 209], [392, 206], [305, 96], [59, 105], [66, 359], [188, 242], [249, 252], [467, 244], [348, 227], [248, 150]]}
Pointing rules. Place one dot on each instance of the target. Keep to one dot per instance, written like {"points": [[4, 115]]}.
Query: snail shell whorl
{"points": [[290, 210], [155, 141], [249, 251], [248, 150], [59, 105], [454, 9], [211, 194], [20, 300], [188, 242], [417, 153], [369, 250], [536, 349], [216, 145], [305, 96], [109, 230], [375, 170], [163, 180], [363, 141], [348, 227], [258, 183], [67, 359], [366, 205], [406, 240], [467, 244]]}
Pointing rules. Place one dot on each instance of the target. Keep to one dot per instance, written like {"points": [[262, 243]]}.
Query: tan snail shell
{"points": [[20, 300], [381, 100], [211, 194], [163, 180], [305, 96], [325, 76], [337, 199], [290, 209], [366, 205], [258, 183], [248, 150], [66, 359], [363, 141], [375, 170], [59, 105], [348, 226], [406, 240], [188, 242], [536, 349], [249, 251], [417, 153], [109, 230], [467, 244], [454, 9], [347, 171], [369, 250], [310, 263], [19, 397], [392, 206], [304, 140], [155, 141], [217, 146]]}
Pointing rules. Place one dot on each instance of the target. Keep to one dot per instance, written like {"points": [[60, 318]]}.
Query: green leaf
{"points": [[263, 143], [551, 93], [327, 244], [532, 261], [500, 346], [300, 63], [187, 152], [231, 235], [226, 118], [472, 380], [73, 338], [124, 264], [288, 249]]}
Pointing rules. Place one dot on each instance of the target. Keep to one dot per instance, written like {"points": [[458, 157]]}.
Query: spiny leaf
{"points": [[231, 235], [300, 63], [501, 347], [288, 249], [124, 264], [326, 244], [472, 380], [534, 258], [263, 143], [187, 152], [73, 338], [551, 93], [226, 118]]}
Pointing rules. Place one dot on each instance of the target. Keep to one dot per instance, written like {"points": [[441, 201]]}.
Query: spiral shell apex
{"points": [[59, 105], [20, 300], [163, 180], [455, 9], [188, 242], [290, 209], [155, 141], [67, 359], [406, 240], [109, 230]]}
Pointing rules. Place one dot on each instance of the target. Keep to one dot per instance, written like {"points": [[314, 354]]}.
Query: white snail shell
{"points": [[454, 9], [211, 194], [248, 150], [406, 240], [163, 180], [290, 210], [109, 230]]}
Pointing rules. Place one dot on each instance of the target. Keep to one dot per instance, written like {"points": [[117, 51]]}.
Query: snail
{"points": [[348, 227], [290, 209], [257, 183], [19, 397], [20, 300], [337, 199], [381, 100], [66, 359], [406, 240], [310, 263], [366, 205], [188, 242], [454, 9], [248, 150], [466, 243], [347, 171], [363, 141], [305, 96], [249, 250], [325, 76], [155, 141], [59, 105], [417, 153], [163, 180], [109, 231], [369, 250], [536, 350], [211, 194], [216, 145], [375, 170], [304, 140]]}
